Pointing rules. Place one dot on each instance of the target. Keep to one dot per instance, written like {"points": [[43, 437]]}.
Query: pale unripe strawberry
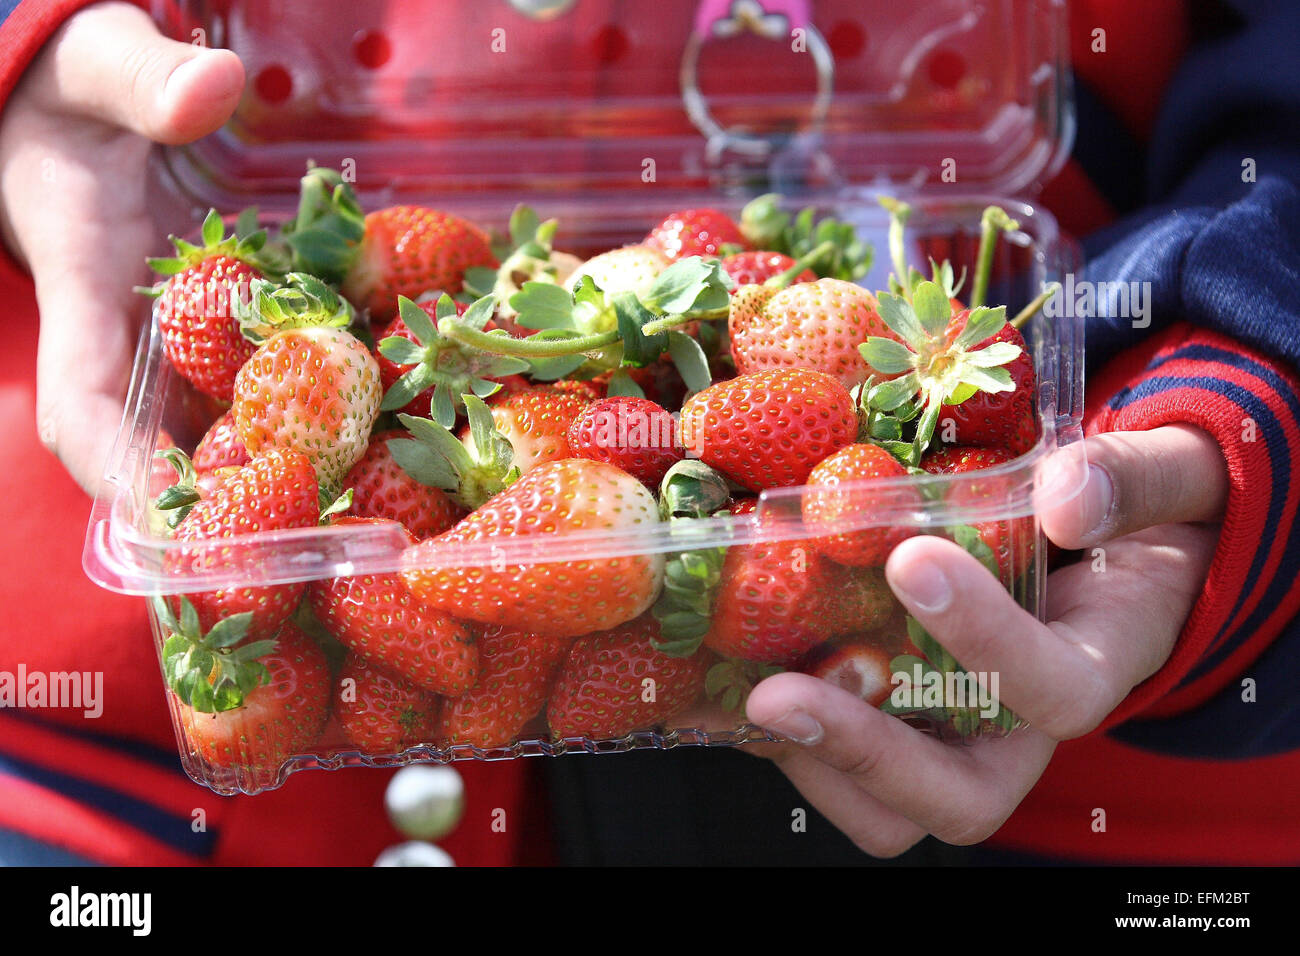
{"points": [[628, 269], [817, 325], [315, 390]]}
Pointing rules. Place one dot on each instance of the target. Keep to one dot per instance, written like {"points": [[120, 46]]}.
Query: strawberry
{"points": [[770, 602], [694, 232], [590, 389], [281, 717], [997, 419], [861, 669], [381, 489], [1011, 541], [831, 509], [220, 446], [627, 269], [518, 671], [273, 492], [817, 325], [198, 305], [548, 595], [390, 371], [615, 682], [382, 714], [756, 267], [859, 601], [311, 385], [634, 434], [374, 615], [768, 429], [407, 250], [536, 422]]}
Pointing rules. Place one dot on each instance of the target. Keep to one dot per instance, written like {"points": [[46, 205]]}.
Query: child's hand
{"points": [[1153, 498], [74, 137]]}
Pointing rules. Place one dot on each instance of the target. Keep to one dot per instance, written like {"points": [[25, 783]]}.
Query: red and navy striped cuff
{"points": [[1251, 405]]}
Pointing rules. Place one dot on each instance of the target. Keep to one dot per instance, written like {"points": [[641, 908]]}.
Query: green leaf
{"points": [[338, 506], [246, 224], [887, 356], [479, 280], [688, 284], [980, 325], [418, 321], [442, 407], [898, 315], [550, 369], [688, 357], [932, 308], [993, 356], [638, 348], [988, 379], [423, 464], [888, 396], [542, 305], [970, 539], [402, 351], [229, 631], [523, 225], [621, 384], [693, 489], [411, 384]]}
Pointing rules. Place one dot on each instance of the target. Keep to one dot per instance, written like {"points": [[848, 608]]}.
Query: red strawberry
{"points": [[381, 489], [861, 669], [278, 719], [312, 385], [997, 419], [859, 601], [1012, 540], [562, 598], [518, 671], [408, 250], [768, 429], [198, 306], [374, 615], [817, 325], [695, 232], [632, 433], [614, 682], [591, 389], [382, 714], [770, 602], [536, 423], [220, 447], [275, 491], [755, 268], [831, 508]]}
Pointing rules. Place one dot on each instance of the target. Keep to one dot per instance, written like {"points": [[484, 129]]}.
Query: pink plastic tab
{"points": [[769, 18]]}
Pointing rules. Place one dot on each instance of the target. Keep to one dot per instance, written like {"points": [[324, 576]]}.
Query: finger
{"points": [[109, 62], [1114, 629], [960, 794], [1139, 480]]}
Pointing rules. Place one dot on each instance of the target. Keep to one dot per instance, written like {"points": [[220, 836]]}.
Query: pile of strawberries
{"points": [[402, 371]]}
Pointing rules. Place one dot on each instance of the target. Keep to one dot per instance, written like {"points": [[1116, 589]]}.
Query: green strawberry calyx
{"points": [[528, 257], [450, 367], [470, 472], [690, 491], [247, 243], [325, 236], [729, 682], [837, 252], [210, 672], [934, 369], [182, 496], [299, 301]]}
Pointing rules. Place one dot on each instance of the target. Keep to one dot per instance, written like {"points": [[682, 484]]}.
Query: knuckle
{"points": [[140, 68], [866, 764]]}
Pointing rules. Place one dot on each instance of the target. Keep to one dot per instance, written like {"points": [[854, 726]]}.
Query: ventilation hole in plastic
{"points": [[847, 40], [371, 49], [946, 68], [273, 84], [609, 44]]}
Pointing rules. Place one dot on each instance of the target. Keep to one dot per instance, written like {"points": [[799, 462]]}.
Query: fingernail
{"points": [[1098, 497], [923, 584], [797, 725]]}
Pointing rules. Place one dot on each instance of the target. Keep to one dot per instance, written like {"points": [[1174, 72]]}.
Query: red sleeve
{"points": [[1251, 405]]}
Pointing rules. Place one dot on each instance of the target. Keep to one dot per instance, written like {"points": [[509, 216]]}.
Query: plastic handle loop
{"points": [[776, 20]]}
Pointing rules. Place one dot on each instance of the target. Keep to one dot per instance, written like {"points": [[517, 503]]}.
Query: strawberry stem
{"points": [[994, 220], [530, 347], [783, 279], [899, 213], [1029, 311], [673, 321]]}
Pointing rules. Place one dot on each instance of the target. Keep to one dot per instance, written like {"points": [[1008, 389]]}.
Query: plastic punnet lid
{"points": [[479, 106]]}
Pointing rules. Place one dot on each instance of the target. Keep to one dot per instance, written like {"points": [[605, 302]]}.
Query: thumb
{"points": [[109, 62]]}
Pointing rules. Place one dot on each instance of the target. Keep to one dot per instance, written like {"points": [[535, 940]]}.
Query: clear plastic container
{"points": [[889, 127]]}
